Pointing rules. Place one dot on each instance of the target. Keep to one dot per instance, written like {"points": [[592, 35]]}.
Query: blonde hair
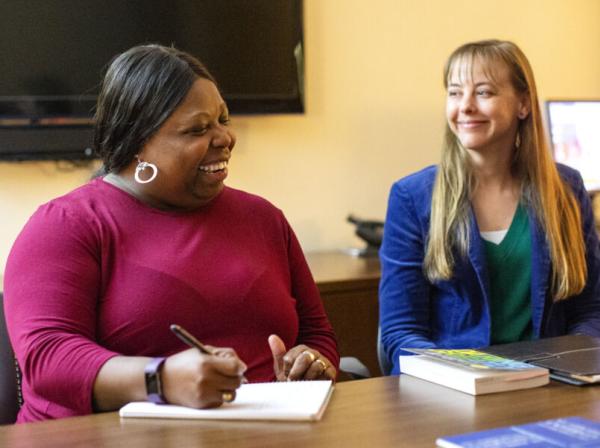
{"points": [[552, 200]]}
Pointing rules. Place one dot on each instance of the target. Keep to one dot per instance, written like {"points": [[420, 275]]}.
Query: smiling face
{"points": [[482, 107], [191, 150]]}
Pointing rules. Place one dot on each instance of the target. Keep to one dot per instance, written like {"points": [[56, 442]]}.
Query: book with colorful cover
{"points": [[472, 371], [472, 358], [569, 432]]}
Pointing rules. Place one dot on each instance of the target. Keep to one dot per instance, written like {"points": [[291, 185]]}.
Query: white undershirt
{"points": [[495, 236]]}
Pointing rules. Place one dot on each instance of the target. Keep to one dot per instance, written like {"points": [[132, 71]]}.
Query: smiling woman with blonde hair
{"points": [[497, 244]]}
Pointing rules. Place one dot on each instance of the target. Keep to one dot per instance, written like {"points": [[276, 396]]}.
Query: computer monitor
{"points": [[54, 54], [574, 127]]}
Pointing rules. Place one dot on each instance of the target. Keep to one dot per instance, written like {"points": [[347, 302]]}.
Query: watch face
{"points": [[152, 383], [152, 376]]}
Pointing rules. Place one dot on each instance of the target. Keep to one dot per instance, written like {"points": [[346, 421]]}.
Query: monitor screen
{"points": [[574, 127], [54, 54]]}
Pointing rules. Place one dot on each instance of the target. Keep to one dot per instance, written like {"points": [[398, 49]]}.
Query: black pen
{"points": [[189, 339]]}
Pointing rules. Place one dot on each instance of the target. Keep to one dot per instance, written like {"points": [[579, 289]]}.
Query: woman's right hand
{"points": [[191, 378]]}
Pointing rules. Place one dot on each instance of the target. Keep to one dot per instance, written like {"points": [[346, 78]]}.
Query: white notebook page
{"points": [[294, 400]]}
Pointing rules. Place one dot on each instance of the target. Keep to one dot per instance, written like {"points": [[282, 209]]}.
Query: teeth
{"points": [[213, 167]]}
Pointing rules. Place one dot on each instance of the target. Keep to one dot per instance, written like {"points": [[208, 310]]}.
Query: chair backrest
{"points": [[9, 396], [384, 363]]}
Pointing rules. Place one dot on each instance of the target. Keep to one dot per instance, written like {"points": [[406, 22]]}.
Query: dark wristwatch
{"points": [[153, 381]]}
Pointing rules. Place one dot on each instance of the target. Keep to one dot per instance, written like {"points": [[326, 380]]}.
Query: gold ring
{"points": [[310, 355], [227, 397], [322, 363]]}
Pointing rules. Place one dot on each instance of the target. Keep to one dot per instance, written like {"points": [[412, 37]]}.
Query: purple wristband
{"points": [[153, 381]]}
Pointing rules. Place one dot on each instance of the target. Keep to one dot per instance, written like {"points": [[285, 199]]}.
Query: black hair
{"points": [[142, 87]]}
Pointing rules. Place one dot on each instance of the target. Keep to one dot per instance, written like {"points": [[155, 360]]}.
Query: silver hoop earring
{"points": [[141, 166]]}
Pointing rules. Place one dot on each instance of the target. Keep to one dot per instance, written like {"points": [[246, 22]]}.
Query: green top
{"points": [[509, 273]]}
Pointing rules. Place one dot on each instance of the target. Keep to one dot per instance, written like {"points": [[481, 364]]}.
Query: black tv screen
{"points": [[575, 135], [55, 52]]}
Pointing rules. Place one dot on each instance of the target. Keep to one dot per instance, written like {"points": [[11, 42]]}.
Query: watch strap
{"points": [[153, 380]]}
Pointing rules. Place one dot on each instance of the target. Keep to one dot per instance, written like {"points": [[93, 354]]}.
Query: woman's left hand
{"points": [[299, 363]]}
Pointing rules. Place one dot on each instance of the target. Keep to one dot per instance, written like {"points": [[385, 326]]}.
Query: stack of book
{"points": [[472, 371], [573, 359]]}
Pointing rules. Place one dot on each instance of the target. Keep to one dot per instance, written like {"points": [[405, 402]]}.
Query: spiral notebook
{"points": [[289, 401]]}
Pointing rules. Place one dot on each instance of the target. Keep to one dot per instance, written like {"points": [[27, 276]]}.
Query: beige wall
{"points": [[374, 106]]}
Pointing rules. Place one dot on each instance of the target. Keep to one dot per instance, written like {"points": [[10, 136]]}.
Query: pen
{"points": [[189, 339]]}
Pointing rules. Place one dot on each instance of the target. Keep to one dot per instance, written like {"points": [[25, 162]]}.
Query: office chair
{"points": [[356, 370], [9, 375]]}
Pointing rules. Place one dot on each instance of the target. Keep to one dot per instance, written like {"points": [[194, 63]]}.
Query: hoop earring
{"points": [[518, 140], [141, 166]]}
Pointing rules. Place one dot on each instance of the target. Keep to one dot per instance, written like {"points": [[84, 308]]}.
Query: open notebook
{"points": [[294, 400]]}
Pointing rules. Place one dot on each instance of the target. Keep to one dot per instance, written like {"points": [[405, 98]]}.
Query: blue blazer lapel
{"points": [[540, 271], [477, 258]]}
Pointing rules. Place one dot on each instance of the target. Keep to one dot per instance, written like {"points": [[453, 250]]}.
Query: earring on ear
{"points": [[141, 166], [518, 140]]}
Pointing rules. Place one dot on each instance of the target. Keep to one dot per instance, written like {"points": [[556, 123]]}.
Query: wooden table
{"points": [[378, 412], [349, 289]]}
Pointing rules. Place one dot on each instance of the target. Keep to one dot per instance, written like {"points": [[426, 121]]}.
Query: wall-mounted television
{"points": [[574, 127], [54, 54]]}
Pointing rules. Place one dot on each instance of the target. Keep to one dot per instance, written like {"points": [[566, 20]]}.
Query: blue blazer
{"points": [[415, 313]]}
